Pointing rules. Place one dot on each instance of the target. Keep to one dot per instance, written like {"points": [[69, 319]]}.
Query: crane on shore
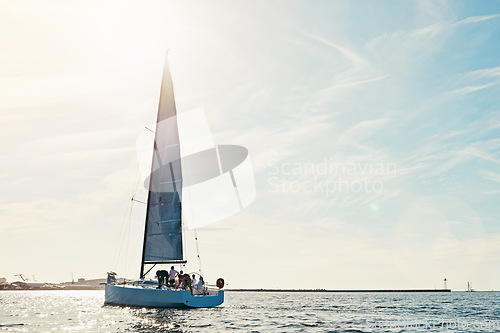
{"points": [[23, 277]]}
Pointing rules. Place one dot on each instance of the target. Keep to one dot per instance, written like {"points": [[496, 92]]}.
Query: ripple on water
{"points": [[83, 311]]}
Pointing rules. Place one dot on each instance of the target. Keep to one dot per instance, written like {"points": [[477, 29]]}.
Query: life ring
{"points": [[220, 283]]}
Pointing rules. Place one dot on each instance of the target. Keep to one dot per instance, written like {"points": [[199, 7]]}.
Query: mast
{"points": [[163, 226], [141, 276]]}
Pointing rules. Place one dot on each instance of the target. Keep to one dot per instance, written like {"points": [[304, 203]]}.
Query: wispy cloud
{"points": [[476, 80], [442, 26], [485, 72], [475, 19], [490, 175], [470, 89], [343, 86], [439, 159], [427, 39], [363, 129], [355, 59], [270, 142]]}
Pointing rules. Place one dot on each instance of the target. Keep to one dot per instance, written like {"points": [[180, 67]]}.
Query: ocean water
{"points": [[83, 311]]}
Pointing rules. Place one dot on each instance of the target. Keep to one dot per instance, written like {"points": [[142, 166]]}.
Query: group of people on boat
{"points": [[180, 280]]}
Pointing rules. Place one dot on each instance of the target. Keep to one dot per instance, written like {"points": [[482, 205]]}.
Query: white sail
{"points": [[163, 231]]}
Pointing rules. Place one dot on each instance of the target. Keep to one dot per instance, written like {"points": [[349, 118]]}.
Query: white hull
{"points": [[130, 295]]}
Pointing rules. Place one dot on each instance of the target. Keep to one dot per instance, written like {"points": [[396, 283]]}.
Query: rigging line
{"points": [[123, 234], [139, 201], [152, 119], [197, 250], [125, 221], [117, 248], [125, 226], [185, 175], [141, 166], [127, 235], [123, 230], [196, 242]]}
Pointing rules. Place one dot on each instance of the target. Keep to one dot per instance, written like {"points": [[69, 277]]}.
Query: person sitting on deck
{"points": [[193, 280], [171, 276], [186, 283], [181, 277], [199, 288]]}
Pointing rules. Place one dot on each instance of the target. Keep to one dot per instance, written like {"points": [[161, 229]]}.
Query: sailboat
{"points": [[469, 287], [162, 242]]}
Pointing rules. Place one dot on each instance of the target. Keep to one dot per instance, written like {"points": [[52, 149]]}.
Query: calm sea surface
{"points": [[83, 311]]}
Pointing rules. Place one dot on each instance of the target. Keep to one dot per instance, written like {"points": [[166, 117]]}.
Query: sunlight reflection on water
{"points": [[83, 311]]}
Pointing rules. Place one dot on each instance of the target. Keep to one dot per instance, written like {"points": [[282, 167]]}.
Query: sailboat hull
{"points": [[130, 295]]}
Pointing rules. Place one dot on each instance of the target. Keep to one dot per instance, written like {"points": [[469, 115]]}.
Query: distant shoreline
{"points": [[53, 288], [345, 290], [88, 287]]}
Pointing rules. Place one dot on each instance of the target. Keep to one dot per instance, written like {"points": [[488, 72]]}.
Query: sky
{"points": [[373, 129]]}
